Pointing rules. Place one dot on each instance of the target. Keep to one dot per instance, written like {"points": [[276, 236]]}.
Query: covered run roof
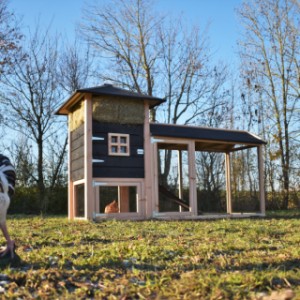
{"points": [[210, 139], [107, 90]]}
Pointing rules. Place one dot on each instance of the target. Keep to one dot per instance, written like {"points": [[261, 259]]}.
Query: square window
{"points": [[118, 199], [118, 144]]}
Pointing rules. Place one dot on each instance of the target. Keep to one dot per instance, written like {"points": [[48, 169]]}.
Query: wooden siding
{"points": [[118, 166], [77, 153], [76, 116]]}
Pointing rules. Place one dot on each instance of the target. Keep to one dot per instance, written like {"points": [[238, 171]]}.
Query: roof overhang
{"points": [[68, 104], [206, 139], [107, 90]]}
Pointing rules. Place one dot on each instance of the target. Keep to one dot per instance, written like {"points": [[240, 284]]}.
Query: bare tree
{"points": [[9, 36], [31, 97], [23, 161], [75, 67], [148, 53], [151, 54], [189, 81], [123, 34], [269, 52], [9, 42]]}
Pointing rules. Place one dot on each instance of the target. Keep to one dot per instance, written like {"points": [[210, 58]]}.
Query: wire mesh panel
{"points": [[210, 179], [245, 181], [173, 178]]}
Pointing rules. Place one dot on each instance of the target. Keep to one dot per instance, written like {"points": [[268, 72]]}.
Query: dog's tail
{"points": [[7, 176]]}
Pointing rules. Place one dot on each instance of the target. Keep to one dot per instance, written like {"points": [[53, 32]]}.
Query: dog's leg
{"points": [[10, 247]]}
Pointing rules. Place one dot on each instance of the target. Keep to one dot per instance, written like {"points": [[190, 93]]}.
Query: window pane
{"points": [[123, 149], [114, 149], [114, 139], [121, 199], [123, 140], [108, 195]]}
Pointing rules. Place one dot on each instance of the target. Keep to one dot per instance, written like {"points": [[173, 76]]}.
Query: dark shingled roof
{"points": [[110, 90], [204, 133]]}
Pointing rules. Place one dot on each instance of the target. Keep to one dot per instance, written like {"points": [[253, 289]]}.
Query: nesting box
{"points": [[115, 160]]}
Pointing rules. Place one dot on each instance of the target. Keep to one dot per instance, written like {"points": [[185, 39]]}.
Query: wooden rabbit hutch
{"points": [[114, 156]]}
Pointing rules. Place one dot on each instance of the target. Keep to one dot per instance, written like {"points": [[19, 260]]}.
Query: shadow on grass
{"points": [[7, 261], [283, 214]]}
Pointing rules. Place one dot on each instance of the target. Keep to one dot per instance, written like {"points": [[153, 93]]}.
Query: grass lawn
{"points": [[221, 259]]}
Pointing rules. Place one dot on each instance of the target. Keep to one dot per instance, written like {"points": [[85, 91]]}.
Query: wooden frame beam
{"points": [[71, 203], [180, 183], [123, 192], [88, 165], [228, 183], [148, 154], [192, 178], [123, 184], [261, 179]]}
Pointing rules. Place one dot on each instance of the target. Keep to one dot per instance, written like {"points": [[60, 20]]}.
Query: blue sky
{"points": [[220, 14]]}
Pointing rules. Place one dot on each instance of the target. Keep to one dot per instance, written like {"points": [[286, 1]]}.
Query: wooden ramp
{"points": [[173, 198]]}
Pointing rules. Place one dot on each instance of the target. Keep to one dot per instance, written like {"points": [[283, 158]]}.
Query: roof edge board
{"points": [[64, 108], [164, 138]]}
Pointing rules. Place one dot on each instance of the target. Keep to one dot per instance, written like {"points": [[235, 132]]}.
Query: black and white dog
{"points": [[7, 189]]}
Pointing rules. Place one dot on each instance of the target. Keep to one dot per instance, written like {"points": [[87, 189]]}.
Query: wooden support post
{"points": [[261, 179], [192, 178], [71, 203], [180, 187], [228, 183], [155, 177], [148, 155], [88, 165], [124, 199]]}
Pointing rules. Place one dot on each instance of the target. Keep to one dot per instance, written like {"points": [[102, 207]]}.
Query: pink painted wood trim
{"points": [[124, 182], [71, 208], [147, 163], [88, 191], [155, 179], [192, 175], [261, 179], [118, 216], [228, 183], [118, 181], [192, 178], [71, 201], [124, 199], [186, 140], [180, 176]]}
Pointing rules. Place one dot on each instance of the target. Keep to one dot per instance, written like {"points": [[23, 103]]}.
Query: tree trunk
{"points": [[40, 179]]}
